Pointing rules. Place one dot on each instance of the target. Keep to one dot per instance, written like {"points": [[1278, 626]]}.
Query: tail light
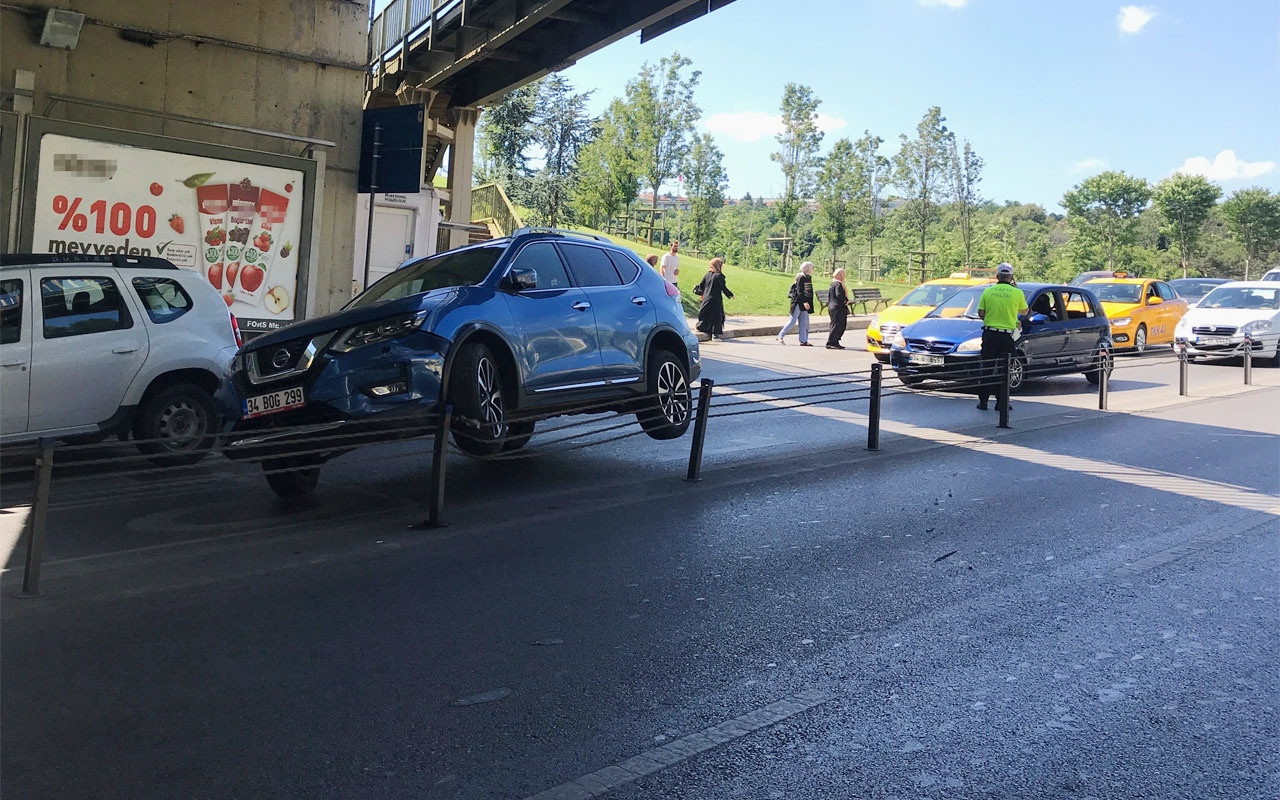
{"points": [[672, 290], [235, 329]]}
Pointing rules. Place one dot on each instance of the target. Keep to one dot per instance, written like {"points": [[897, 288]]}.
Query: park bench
{"points": [[856, 297]]}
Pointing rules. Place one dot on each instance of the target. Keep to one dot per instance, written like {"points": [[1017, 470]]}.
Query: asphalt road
{"points": [[1082, 605]]}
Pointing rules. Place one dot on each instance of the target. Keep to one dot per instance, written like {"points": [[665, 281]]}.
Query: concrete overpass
{"points": [[454, 56]]}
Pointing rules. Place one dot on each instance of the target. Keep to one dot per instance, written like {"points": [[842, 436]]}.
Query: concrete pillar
{"points": [[461, 165]]}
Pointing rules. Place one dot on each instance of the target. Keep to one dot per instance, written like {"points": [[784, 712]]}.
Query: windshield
{"points": [[963, 303], [1116, 292], [462, 268], [1190, 287], [1240, 297], [929, 295]]}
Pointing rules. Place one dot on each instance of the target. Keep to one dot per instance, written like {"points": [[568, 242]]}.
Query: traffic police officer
{"points": [[999, 309]]}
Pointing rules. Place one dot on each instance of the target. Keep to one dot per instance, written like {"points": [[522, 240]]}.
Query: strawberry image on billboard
{"points": [[213, 203], [261, 247], [240, 220]]}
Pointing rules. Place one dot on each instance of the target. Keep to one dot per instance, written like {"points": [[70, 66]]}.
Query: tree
{"points": [[1253, 216], [966, 173], [659, 118], [800, 139], [706, 179], [561, 129], [920, 170], [506, 131], [607, 182], [873, 169], [1104, 209], [838, 188], [1185, 202]]}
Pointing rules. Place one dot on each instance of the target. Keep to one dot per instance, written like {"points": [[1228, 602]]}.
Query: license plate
{"points": [[1213, 340], [273, 402], [926, 358]]}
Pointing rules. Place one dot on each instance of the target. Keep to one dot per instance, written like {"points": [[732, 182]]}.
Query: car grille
{"points": [[929, 346], [1214, 330], [279, 359], [889, 330]]}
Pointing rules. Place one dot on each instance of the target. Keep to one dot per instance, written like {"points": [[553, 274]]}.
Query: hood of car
{"points": [[1119, 309], [351, 317], [938, 329], [1234, 317], [903, 315]]}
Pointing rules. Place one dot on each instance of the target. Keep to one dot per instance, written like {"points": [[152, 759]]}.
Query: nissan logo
{"points": [[281, 358]]}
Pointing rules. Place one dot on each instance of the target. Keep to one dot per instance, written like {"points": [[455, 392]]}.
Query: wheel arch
{"points": [[670, 341], [202, 378], [501, 351]]}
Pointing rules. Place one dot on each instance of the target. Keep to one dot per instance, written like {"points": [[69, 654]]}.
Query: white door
{"points": [[15, 351], [88, 343], [392, 240]]}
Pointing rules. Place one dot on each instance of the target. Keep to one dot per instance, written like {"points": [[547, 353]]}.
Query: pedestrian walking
{"points": [[652, 261], [711, 290], [801, 294], [837, 309], [999, 309], [670, 265]]}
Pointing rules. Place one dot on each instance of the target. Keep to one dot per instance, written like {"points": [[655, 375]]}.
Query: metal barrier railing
{"points": [[490, 202], [310, 446]]}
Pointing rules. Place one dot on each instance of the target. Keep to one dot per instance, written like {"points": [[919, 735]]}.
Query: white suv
{"points": [[92, 346]]}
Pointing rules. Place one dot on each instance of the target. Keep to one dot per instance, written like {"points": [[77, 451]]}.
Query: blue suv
{"points": [[542, 323]]}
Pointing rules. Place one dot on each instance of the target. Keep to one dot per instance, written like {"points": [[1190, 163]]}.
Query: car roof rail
{"points": [[116, 260], [562, 232]]}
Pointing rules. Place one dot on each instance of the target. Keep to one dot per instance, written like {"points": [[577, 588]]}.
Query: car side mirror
{"points": [[524, 278], [1154, 301], [1038, 319]]}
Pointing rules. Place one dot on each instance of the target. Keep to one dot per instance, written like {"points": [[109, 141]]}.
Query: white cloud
{"points": [[1088, 165], [752, 126], [947, 3], [1132, 19], [1225, 167]]}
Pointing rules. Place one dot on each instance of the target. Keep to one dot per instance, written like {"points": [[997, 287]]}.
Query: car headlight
{"points": [[971, 346], [378, 331], [899, 340], [1120, 322], [874, 324], [1257, 326]]}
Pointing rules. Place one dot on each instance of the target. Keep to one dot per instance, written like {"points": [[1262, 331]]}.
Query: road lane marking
{"points": [[1224, 493], [603, 781]]}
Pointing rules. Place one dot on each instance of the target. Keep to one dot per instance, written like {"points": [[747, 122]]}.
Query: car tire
{"points": [[668, 404], [479, 402], [1101, 362], [175, 427], [1140, 339], [1017, 373], [291, 478], [518, 435]]}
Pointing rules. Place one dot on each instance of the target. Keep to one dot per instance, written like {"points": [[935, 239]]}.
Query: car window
{"points": [[10, 311], [80, 306], [543, 259], [1117, 292], [961, 304], [929, 295], [626, 267], [1166, 291], [164, 298], [455, 268], [1242, 297], [590, 265], [1046, 303], [1077, 305]]}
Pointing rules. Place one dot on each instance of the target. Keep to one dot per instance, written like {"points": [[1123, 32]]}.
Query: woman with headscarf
{"points": [[801, 294], [712, 290], [837, 309]]}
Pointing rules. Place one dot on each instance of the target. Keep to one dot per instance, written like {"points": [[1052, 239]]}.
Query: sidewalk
{"points": [[742, 326]]}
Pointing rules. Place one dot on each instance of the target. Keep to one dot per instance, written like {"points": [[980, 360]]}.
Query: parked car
{"points": [[1272, 275], [114, 345], [1220, 324], [1192, 289], [914, 305], [1065, 331], [1143, 311], [509, 331]]}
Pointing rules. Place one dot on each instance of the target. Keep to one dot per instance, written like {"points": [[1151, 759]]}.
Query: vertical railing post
{"points": [[1182, 371], [1104, 378], [1248, 361], [439, 449], [1002, 399], [873, 409], [36, 520], [699, 430]]}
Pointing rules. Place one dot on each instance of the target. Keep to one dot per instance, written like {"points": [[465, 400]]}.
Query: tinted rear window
{"points": [[590, 265]]}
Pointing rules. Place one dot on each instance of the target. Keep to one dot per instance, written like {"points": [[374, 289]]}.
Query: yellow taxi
{"points": [[913, 306], [1142, 311]]}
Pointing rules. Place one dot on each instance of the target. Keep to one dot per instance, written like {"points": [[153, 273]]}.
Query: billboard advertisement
{"points": [[238, 224]]}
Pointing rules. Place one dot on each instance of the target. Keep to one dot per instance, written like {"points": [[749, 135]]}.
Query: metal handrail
{"points": [[399, 21]]}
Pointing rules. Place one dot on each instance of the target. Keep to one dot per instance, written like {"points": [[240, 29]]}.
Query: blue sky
{"points": [[1048, 93]]}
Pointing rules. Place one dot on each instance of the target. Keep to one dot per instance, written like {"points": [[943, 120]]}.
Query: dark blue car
{"points": [[1065, 331], [538, 324]]}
